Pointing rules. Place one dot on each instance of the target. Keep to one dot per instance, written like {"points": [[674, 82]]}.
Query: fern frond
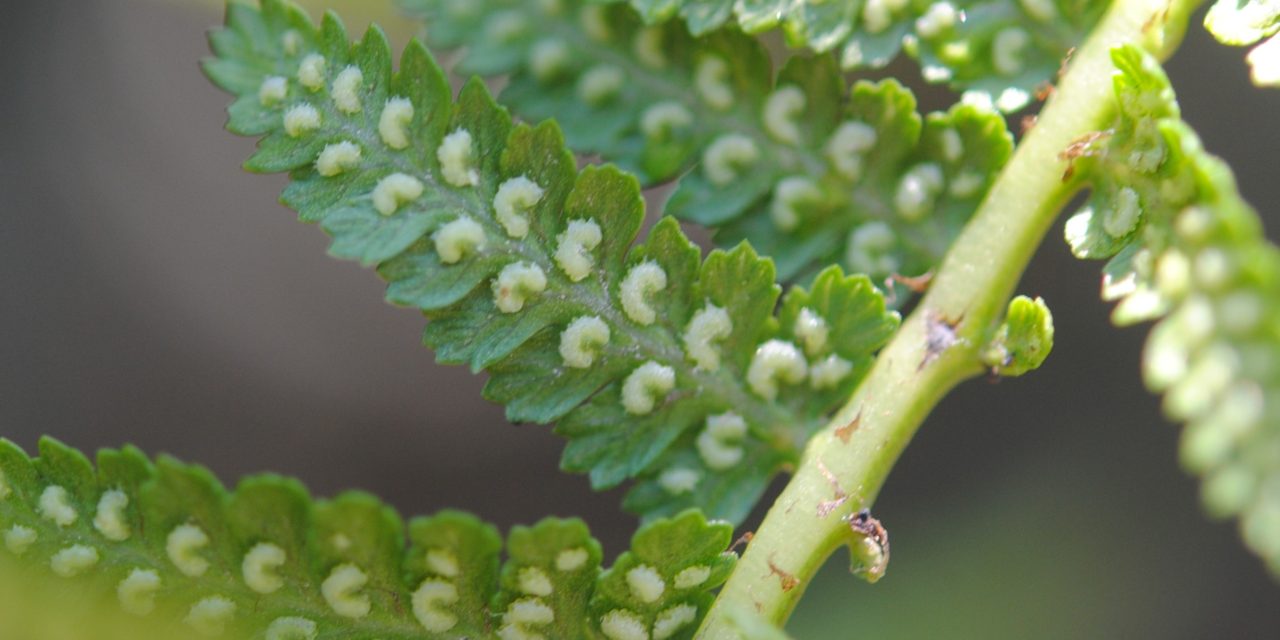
{"points": [[998, 52], [656, 363], [1245, 22], [1185, 249], [808, 177], [165, 541]]}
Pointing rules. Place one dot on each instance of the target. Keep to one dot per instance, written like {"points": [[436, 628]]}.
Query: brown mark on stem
{"points": [[745, 538], [1079, 148], [845, 432], [1028, 122], [1066, 60], [827, 506], [788, 581]]}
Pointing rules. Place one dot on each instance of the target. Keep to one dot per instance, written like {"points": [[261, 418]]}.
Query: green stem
{"points": [[852, 456]]}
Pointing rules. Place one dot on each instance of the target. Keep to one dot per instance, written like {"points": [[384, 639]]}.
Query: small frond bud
{"points": [[183, 547], [583, 340], [394, 191], [641, 282], [847, 146], [430, 605], [601, 84], [209, 617], [456, 158], [137, 591], [1024, 339], [341, 590], [775, 361], [711, 81], [259, 566], [458, 238], [792, 192], [301, 119], [515, 284], [512, 203], [346, 90], [110, 518], [393, 124], [274, 89], [646, 384], [782, 111], [726, 156], [709, 325], [338, 157], [311, 72]]}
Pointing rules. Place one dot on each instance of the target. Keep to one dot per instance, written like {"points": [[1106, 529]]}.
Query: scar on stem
{"points": [[788, 581], [1079, 148], [1028, 123], [1066, 60], [1044, 90], [940, 335], [845, 432], [744, 539], [827, 506]]}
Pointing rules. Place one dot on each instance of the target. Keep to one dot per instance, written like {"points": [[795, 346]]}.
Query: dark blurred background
{"points": [[153, 293]]}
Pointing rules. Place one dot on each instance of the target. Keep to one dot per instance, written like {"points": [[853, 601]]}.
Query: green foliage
{"points": [[656, 364], [1186, 249], [1244, 22], [1024, 339], [996, 51], [166, 542], [786, 162]]}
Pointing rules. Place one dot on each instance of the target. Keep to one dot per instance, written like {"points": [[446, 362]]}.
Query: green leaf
{"points": [[1189, 252], [820, 189], [183, 557], [524, 266]]}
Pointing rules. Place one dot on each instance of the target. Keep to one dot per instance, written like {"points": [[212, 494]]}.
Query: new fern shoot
{"points": [[516, 227]]}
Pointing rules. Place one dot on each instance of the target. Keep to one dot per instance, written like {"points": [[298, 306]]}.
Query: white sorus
{"points": [[1264, 63], [1213, 268], [259, 567], [678, 480], [952, 145], [847, 145], [792, 192], [338, 157], [183, 545], [55, 505], [595, 23], [829, 372], [534, 581], [301, 119], [717, 443], [443, 562], [692, 576], [582, 340], [782, 111], [600, 84], [641, 282], [549, 58], [621, 624], [110, 518], [571, 559], [708, 326], [455, 156], [877, 15], [645, 385], [340, 541], [311, 72], [711, 81], [515, 284], [512, 203], [869, 249], [661, 120], [917, 190], [775, 361], [1124, 216], [505, 26], [430, 605], [393, 124], [292, 628], [342, 591], [1006, 50], [575, 246], [648, 47], [137, 592], [646, 583], [1042, 10], [273, 90], [290, 42], [524, 613], [967, 184], [346, 90], [395, 190], [812, 331], [939, 17], [209, 617], [4, 486], [551, 7], [670, 621], [726, 155], [1012, 99], [19, 538], [73, 560], [457, 238], [1241, 312], [852, 57]]}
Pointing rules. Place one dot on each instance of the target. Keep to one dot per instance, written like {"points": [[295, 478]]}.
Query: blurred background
{"points": [[153, 293]]}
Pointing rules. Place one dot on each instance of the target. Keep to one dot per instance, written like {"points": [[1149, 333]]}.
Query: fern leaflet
{"points": [[1184, 248], [1245, 22], [657, 364]]}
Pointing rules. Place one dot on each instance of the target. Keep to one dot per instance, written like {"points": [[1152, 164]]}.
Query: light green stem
{"points": [[852, 456]]}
